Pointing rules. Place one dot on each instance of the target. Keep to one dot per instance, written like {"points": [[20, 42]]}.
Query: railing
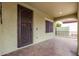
{"points": [[73, 34], [69, 34], [65, 32]]}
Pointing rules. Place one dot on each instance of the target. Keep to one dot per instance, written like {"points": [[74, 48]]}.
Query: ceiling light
{"points": [[60, 12]]}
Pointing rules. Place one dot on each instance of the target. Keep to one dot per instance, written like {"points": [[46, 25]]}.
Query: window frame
{"points": [[49, 26]]}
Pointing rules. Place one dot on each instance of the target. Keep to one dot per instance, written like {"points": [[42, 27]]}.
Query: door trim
{"points": [[18, 26]]}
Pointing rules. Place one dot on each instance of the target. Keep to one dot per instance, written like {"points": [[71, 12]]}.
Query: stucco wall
{"points": [[78, 29], [0, 37], [9, 27], [39, 22]]}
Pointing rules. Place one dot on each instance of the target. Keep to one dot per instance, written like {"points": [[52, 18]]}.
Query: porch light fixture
{"points": [[60, 12]]}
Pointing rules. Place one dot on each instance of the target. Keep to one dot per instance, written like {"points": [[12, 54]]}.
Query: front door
{"points": [[25, 17]]}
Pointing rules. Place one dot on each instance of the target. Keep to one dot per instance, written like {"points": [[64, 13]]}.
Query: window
{"points": [[49, 26]]}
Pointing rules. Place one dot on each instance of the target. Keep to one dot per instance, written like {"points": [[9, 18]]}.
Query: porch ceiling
{"points": [[55, 9]]}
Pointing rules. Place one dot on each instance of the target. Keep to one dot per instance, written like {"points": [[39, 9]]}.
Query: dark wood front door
{"points": [[25, 18]]}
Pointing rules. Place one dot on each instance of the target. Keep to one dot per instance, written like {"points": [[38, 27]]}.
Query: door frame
{"points": [[18, 26]]}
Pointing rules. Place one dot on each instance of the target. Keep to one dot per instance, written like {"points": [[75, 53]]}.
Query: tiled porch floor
{"points": [[52, 47]]}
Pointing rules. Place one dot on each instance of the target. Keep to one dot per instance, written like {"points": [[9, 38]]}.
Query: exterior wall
{"points": [[0, 37], [39, 22], [78, 29], [9, 27]]}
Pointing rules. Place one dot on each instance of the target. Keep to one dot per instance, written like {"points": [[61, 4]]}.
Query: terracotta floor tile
{"points": [[52, 47]]}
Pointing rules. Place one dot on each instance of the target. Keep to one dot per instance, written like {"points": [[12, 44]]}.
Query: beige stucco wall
{"points": [[78, 29], [9, 17], [0, 37], [8, 41]]}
